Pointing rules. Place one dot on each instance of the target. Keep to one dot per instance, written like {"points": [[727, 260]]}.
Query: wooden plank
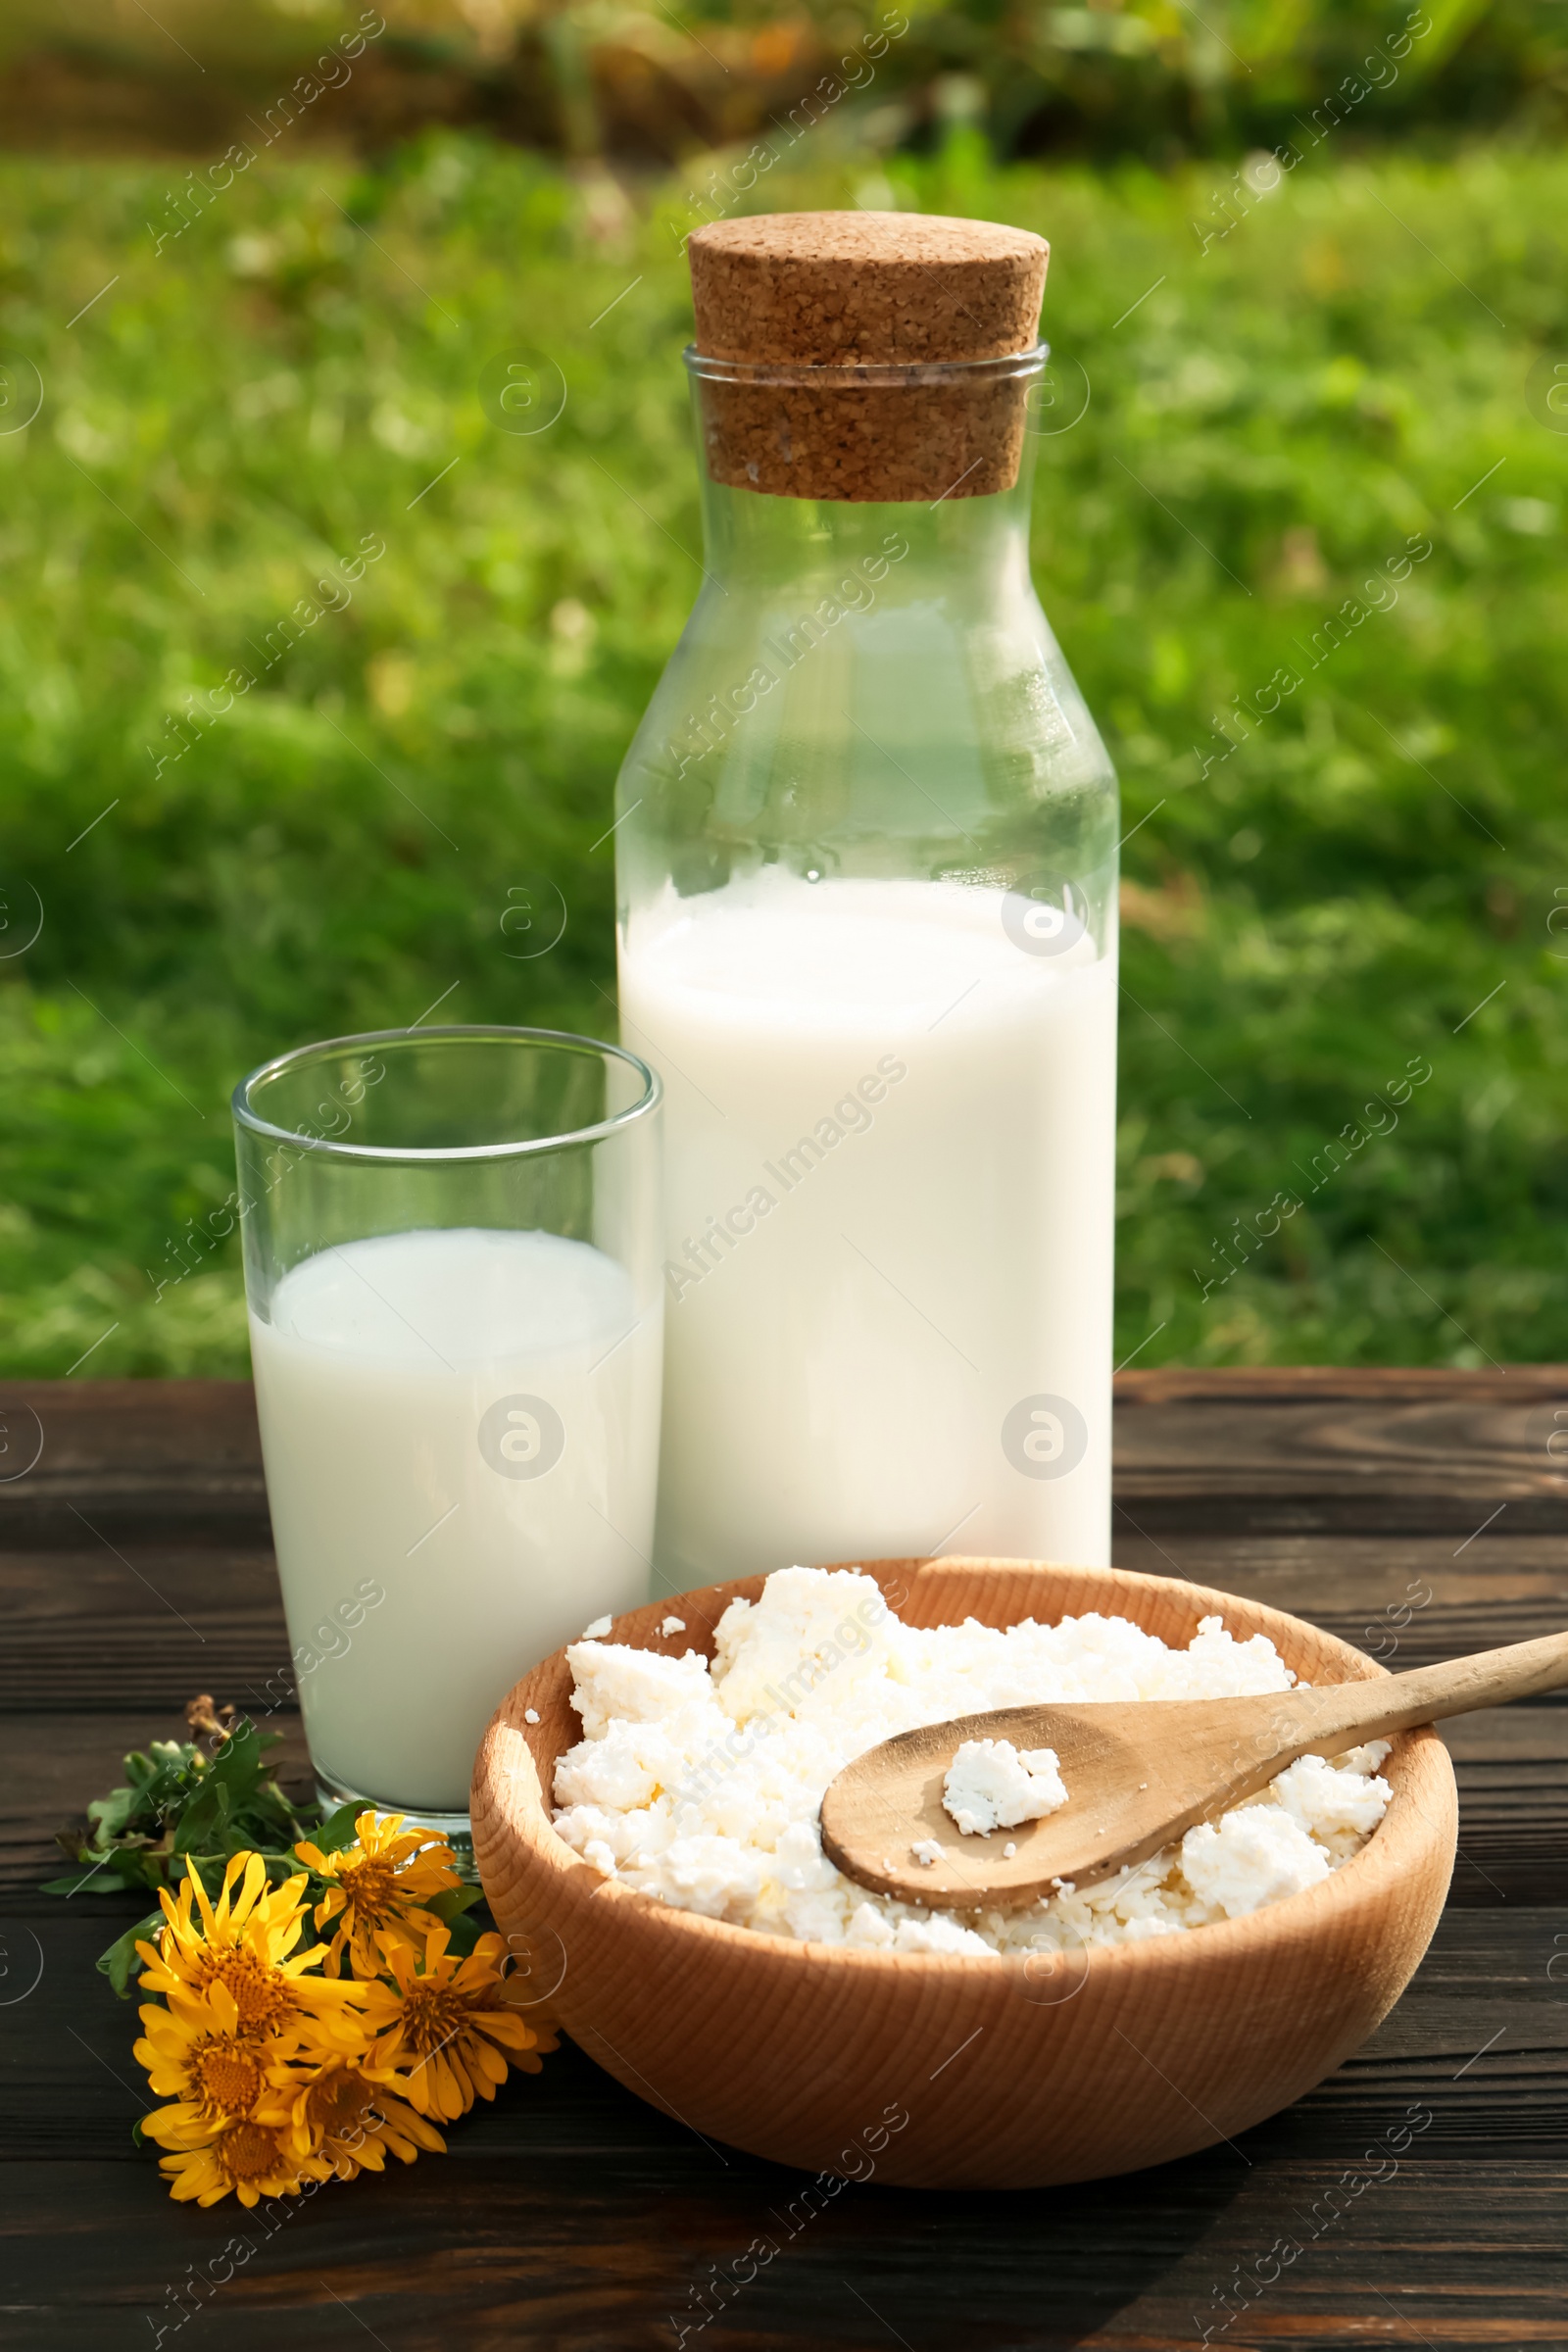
{"points": [[1329, 1447], [182, 1456], [1408, 1600], [1481, 2036], [1436, 2253], [142, 1623], [1423, 1464], [134, 1622], [555, 2254], [1320, 1449]]}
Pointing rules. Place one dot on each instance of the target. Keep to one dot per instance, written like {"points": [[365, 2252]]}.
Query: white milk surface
{"points": [[491, 1541], [889, 1151]]}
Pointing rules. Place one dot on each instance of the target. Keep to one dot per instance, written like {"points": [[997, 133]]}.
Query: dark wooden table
{"points": [[1423, 1510]]}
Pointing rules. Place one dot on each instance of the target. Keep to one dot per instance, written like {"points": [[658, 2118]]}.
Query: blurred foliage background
{"points": [[657, 85], [218, 393]]}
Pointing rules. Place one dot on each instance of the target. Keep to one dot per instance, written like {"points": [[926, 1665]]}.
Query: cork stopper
{"points": [[816, 300]]}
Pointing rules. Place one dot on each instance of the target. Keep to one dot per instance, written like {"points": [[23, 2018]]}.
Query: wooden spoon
{"points": [[1137, 1776]]}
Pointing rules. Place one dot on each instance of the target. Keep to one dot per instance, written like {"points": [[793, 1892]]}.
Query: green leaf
{"points": [[110, 1874], [337, 1831], [453, 1901], [156, 1783], [123, 1961], [227, 1787], [453, 1907]]}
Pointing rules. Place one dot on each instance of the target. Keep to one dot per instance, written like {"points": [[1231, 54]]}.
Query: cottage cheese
{"points": [[990, 1785], [702, 1787]]}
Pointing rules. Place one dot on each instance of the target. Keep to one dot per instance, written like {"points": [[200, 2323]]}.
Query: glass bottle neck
{"points": [[977, 547]]}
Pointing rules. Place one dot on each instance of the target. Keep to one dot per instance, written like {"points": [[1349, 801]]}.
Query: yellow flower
{"points": [[250, 2159], [345, 2113], [438, 2024], [245, 1944], [380, 1886], [197, 2053], [276, 2075]]}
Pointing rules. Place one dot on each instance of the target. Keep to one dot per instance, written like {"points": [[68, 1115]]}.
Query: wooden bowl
{"points": [[941, 2072]]}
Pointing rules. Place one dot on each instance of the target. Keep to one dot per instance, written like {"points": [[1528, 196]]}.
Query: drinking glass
{"points": [[452, 1261]]}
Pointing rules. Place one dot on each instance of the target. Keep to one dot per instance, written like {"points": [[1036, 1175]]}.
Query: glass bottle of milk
{"points": [[867, 867]]}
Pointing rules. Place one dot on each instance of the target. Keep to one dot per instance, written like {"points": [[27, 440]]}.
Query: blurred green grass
{"points": [[1272, 419]]}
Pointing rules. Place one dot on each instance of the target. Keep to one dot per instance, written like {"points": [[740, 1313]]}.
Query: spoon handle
{"points": [[1374, 1710]]}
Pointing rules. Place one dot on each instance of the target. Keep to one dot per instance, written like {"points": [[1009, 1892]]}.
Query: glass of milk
{"points": [[452, 1259]]}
